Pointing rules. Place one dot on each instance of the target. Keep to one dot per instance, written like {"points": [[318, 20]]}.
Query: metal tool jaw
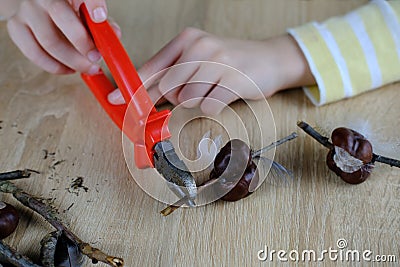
{"points": [[146, 127], [174, 170]]}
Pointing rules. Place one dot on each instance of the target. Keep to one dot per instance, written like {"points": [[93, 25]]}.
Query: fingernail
{"points": [[115, 97], [94, 69], [94, 56], [99, 14]]}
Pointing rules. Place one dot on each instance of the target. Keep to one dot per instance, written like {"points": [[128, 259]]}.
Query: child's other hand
{"points": [[274, 64], [51, 34]]}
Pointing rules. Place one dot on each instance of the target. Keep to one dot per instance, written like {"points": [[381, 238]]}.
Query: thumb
{"points": [[115, 97]]}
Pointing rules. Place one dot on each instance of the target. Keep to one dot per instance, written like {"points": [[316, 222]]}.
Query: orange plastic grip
{"points": [[146, 126]]}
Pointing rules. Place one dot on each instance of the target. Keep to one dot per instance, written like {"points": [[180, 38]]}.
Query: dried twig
{"points": [[14, 175], [171, 208], [51, 216], [314, 134], [274, 144], [385, 160], [10, 255]]}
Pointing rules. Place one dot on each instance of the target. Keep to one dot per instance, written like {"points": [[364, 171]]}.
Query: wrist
{"points": [[292, 68]]}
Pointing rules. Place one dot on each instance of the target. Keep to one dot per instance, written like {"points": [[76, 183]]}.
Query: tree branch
{"points": [[51, 216]]}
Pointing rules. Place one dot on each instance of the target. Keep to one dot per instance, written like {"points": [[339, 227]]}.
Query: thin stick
{"points": [[171, 208], [274, 144], [12, 256], [14, 175], [325, 142], [385, 160], [314, 134], [51, 216]]}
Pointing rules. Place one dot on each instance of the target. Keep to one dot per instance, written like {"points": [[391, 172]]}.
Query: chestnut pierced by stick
{"points": [[228, 175], [350, 154]]}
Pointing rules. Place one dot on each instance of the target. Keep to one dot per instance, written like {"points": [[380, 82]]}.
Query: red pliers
{"points": [[148, 128]]}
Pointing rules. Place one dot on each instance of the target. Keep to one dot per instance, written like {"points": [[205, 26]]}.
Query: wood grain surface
{"points": [[59, 114]]}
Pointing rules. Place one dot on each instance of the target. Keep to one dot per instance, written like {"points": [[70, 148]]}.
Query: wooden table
{"points": [[59, 114]]}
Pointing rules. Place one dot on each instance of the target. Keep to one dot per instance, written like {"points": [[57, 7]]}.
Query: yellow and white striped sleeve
{"points": [[352, 54]]}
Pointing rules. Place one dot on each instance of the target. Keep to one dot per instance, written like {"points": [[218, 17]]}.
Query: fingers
{"points": [[51, 35], [97, 8], [70, 25], [186, 67], [115, 97], [202, 82], [188, 78], [174, 79], [170, 53], [217, 100], [155, 96], [24, 39], [53, 41], [116, 28]]}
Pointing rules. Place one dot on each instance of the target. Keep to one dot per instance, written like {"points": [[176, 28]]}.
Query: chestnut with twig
{"points": [[229, 164], [350, 154], [235, 174]]}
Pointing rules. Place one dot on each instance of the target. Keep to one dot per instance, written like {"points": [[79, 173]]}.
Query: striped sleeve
{"points": [[352, 54]]}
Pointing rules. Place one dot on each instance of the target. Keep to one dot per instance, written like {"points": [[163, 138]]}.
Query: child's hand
{"points": [[51, 34], [274, 64]]}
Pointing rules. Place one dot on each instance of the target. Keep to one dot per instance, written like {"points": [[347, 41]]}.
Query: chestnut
{"points": [[234, 164], [351, 155], [238, 151], [242, 188], [9, 219]]}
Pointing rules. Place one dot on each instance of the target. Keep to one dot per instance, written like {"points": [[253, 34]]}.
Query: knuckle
{"points": [[50, 43], [27, 6], [222, 57], [83, 43], [206, 43], [51, 67], [82, 65], [12, 24], [190, 32], [57, 69], [57, 7], [207, 108]]}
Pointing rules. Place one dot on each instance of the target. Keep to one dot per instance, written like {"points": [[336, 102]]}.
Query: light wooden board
{"points": [[60, 115]]}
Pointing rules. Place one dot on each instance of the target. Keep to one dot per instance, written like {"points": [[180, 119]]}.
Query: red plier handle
{"points": [[146, 126]]}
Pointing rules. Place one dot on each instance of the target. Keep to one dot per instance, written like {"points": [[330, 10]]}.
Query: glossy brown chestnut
{"points": [[9, 219], [353, 142], [241, 189], [233, 158], [229, 164], [358, 147], [356, 177]]}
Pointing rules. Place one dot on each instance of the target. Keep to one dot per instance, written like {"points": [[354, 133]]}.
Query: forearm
{"points": [[8, 8]]}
